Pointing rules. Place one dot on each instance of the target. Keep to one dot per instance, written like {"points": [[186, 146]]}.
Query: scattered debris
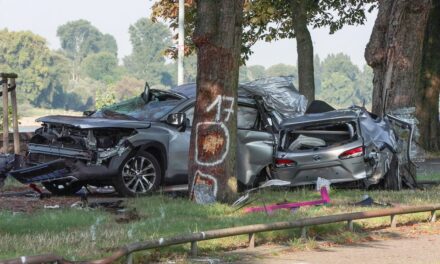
{"points": [[43, 195], [325, 198], [321, 182], [368, 201], [269, 183], [125, 216], [57, 206]]}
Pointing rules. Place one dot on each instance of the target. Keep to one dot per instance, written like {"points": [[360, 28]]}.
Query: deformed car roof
{"points": [[278, 94]]}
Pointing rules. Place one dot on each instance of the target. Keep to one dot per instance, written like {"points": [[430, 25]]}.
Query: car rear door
{"points": [[255, 145]]}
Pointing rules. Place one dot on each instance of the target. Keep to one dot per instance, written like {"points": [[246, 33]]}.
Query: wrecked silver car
{"points": [[136, 145], [350, 145], [143, 143]]}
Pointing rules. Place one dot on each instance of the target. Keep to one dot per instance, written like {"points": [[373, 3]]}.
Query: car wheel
{"points": [[392, 179], [139, 175], [62, 187]]}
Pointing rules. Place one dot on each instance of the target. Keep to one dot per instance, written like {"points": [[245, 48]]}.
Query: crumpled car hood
{"points": [[84, 122]]}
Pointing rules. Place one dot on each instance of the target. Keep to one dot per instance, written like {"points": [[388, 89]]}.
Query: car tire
{"points": [[392, 179], [139, 175], [61, 188]]}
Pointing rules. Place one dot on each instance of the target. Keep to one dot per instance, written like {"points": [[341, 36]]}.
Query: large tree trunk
{"points": [[428, 95], [395, 53], [304, 48], [403, 52], [213, 140]]}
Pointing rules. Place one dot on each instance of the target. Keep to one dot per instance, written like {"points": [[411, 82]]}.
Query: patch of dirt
{"points": [[31, 204], [24, 199]]}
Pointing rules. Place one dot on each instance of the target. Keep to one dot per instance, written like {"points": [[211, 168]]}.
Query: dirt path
{"points": [[421, 249]]}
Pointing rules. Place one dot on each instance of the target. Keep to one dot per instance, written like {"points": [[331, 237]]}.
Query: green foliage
{"points": [[190, 68], [343, 84], [282, 70], [269, 20], [102, 66], [104, 97], [27, 55], [80, 38], [147, 60], [127, 87]]}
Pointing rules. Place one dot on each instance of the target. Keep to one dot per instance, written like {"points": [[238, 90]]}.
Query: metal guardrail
{"points": [[251, 230]]}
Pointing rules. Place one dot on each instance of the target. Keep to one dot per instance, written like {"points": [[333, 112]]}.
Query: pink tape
{"points": [[325, 198]]}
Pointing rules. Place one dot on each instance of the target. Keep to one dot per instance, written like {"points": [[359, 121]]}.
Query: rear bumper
{"points": [[334, 171]]}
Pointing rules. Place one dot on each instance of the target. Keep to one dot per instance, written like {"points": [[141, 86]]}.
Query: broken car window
{"points": [[136, 108], [246, 117]]}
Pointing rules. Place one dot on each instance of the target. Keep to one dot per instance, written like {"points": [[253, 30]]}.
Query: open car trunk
{"points": [[326, 145]]}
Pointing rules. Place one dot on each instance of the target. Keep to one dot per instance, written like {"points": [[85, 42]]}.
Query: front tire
{"points": [[139, 175]]}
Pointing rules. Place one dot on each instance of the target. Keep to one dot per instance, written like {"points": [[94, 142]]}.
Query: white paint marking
{"points": [[212, 178], [161, 241], [23, 259], [230, 109], [218, 102]]}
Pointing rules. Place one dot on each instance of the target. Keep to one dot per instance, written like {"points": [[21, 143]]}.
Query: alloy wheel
{"points": [[139, 174]]}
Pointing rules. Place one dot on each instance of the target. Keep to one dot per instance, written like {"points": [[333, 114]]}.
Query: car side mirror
{"points": [[178, 120]]}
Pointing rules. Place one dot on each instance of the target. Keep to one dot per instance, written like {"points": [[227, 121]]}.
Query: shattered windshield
{"points": [[136, 108]]}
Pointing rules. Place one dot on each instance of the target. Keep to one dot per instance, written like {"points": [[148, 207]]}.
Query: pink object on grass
{"points": [[325, 198]]}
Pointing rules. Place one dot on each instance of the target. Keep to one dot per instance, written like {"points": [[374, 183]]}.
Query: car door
{"points": [[177, 172], [254, 144]]}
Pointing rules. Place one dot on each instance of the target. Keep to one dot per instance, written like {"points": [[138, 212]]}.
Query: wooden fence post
{"points": [[15, 117], [5, 115]]}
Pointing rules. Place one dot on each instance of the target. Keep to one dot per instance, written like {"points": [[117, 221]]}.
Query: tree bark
{"points": [[428, 95], [212, 163], [304, 48], [395, 53]]}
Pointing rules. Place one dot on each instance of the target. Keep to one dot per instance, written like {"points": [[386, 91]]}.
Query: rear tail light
{"points": [[352, 153], [280, 163]]}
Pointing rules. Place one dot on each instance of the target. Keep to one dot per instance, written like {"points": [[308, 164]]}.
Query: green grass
{"points": [[80, 234], [434, 176], [11, 183]]}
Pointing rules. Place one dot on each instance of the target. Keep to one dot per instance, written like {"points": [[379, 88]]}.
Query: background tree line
{"points": [[85, 72]]}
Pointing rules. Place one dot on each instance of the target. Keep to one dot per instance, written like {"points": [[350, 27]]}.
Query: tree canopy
{"points": [[80, 38], [268, 20], [27, 55], [149, 41], [102, 66]]}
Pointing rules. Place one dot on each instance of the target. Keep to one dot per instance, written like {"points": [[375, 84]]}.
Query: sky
{"points": [[115, 16]]}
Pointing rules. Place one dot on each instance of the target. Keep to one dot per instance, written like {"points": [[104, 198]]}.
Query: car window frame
{"points": [[258, 122]]}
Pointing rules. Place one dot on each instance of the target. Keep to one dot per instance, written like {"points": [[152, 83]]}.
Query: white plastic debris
{"points": [[321, 182]]}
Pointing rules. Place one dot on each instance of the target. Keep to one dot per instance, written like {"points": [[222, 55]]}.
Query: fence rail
{"points": [[250, 230]]}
